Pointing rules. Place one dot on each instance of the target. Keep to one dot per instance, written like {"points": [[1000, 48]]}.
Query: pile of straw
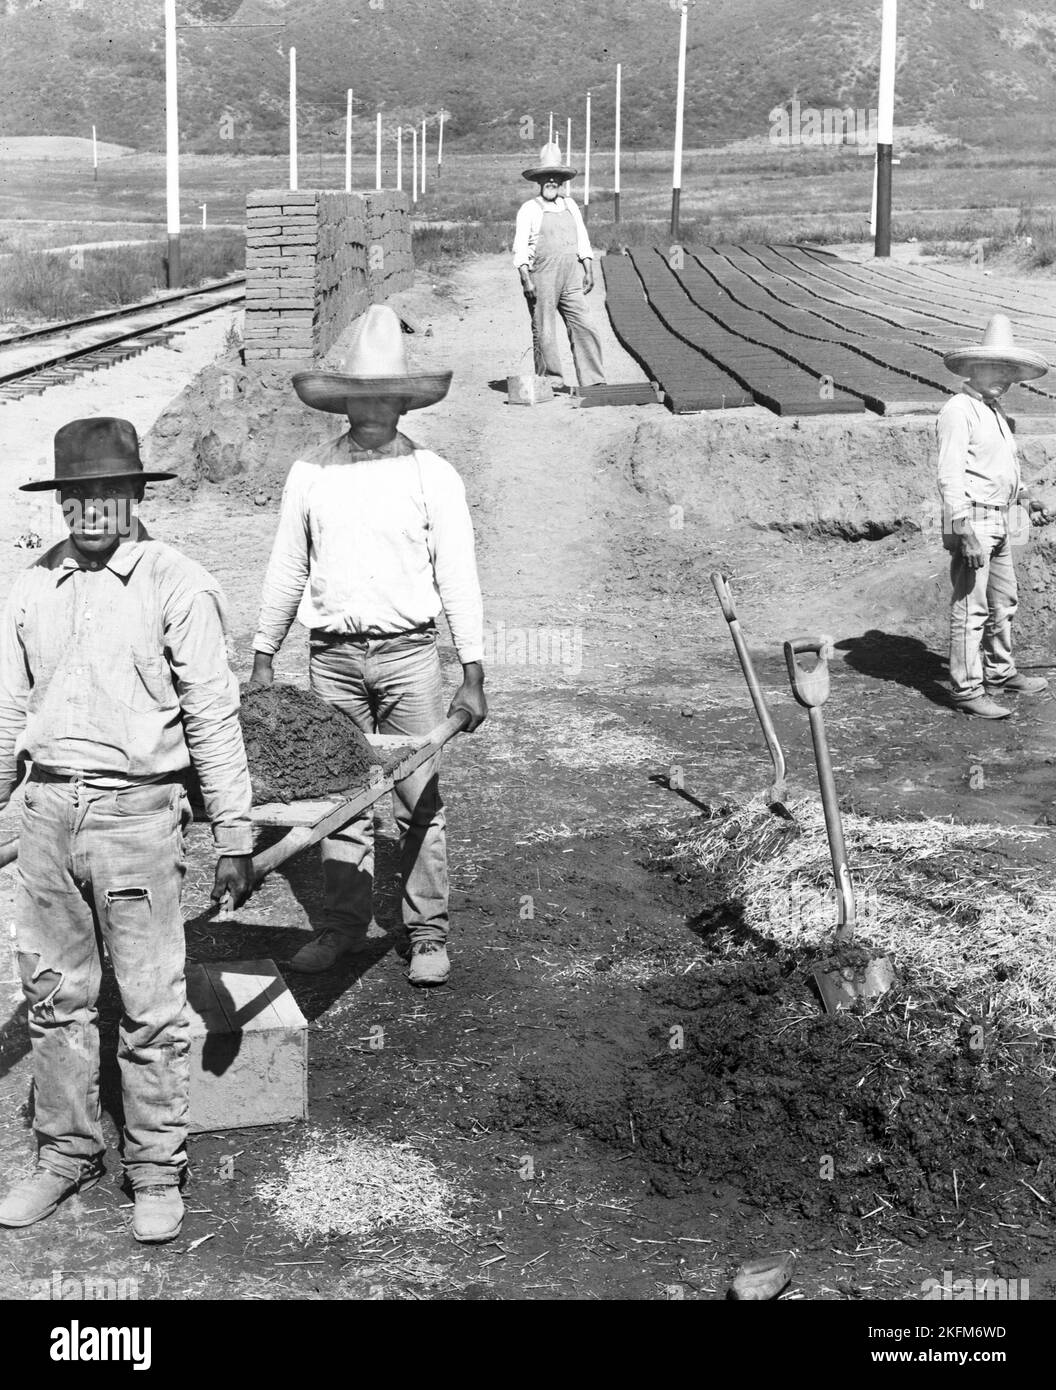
{"points": [[952, 923], [356, 1186]]}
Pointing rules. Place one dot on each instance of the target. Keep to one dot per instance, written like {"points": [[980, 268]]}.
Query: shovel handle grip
{"points": [[810, 687], [722, 590]]}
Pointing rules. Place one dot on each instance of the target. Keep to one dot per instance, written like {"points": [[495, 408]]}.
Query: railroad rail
{"points": [[31, 362]]}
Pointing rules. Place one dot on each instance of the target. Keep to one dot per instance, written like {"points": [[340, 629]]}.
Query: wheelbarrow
{"points": [[312, 821], [853, 972], [308, 822], [778, 789]]}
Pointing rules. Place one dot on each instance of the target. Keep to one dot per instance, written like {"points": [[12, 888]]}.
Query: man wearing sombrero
{"points": [[113, 679], [552, 253], [982, 494], [374, 538]]}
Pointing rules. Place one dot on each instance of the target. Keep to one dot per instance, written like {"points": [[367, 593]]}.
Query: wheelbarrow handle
{"points": [[339, 815], [811, 688], [725, 597]]}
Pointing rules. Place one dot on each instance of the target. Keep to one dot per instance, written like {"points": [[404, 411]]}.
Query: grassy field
{"points": [[801, 189], [37, 286]]}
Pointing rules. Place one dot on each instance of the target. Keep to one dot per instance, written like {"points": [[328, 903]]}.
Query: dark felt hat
{"points": [[95, 451]]}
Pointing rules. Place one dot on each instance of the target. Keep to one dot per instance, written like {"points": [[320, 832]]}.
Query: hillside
{"points": [[490, 64]]}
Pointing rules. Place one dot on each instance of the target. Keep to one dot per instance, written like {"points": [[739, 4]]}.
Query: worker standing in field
{"points": [[374, 538], [982, 495], [552, 253], [113, 679]]}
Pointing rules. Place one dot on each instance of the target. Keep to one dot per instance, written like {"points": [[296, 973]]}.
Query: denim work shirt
{"points": [[121, 671]]}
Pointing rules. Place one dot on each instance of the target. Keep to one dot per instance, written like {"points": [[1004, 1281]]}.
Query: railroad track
{"points": [[31, 362]]}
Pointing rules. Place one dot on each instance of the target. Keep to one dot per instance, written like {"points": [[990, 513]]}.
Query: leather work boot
{"points": [[983, 708], [1020, 685], [429, 963], [158, 1215], [38, 1195], [331, 945]]}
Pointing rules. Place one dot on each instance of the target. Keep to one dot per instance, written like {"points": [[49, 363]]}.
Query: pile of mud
{"points": [[299, 747], [237, 425], [829, 1116], [846, 479]]}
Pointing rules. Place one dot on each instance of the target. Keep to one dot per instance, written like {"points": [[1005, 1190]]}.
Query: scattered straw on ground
{"points": [[357, 1186], [926, 891]]}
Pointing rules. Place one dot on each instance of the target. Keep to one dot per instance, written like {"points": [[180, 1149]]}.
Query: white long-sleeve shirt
{"points": [[372, 545], [530, 218], [978, 461]]}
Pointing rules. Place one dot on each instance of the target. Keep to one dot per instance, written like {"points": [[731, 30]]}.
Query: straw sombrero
{"points": [[550, 165], [999, 346], [375, 364]]}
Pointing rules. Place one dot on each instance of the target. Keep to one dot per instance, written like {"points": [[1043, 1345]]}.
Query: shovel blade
{"points": [[840, 987]]}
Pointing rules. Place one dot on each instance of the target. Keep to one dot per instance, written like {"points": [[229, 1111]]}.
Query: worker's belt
{"points": [[321, 635], [104, 781]]}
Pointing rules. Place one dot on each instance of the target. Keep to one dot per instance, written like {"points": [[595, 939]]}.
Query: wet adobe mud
{"points": [[299, 747]]}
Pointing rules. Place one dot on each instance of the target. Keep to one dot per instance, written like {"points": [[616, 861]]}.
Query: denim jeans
{"points": [[984, 602], [105, 864], [388, 686]]}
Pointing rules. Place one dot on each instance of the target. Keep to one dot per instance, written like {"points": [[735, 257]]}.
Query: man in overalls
{"points": [[549, 247]]}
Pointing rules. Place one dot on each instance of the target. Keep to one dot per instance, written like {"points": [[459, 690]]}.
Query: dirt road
{"points": [[539, 1079]]}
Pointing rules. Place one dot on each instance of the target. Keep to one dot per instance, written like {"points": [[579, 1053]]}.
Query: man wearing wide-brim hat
{"points": [[982, 503], [113, 679], [553, 256], [374, 539]]}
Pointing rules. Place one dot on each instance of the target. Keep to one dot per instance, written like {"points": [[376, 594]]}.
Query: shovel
{"points": [[778, 789], [852, 972]]}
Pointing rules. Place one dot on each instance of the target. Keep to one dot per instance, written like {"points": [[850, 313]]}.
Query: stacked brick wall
{"points": [[315, 260]]}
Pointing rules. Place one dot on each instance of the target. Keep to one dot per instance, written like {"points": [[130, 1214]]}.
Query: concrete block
{"points": [[249, 1046]]}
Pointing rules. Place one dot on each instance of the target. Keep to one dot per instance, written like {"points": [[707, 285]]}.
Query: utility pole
{"points": [[174, 269], [885, 128], [680, 111], [348, 143], [293, 119], [616, 154], [586, 161]]}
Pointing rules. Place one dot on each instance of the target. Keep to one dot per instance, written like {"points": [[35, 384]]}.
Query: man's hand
{"points": [[1039, 513], [971, 549], [588, 276], [470, 696], [234, 875], [263, 672], [527, 284]]}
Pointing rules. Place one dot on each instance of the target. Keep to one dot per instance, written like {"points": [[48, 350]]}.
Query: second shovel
{"points": [[778, 790]]}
